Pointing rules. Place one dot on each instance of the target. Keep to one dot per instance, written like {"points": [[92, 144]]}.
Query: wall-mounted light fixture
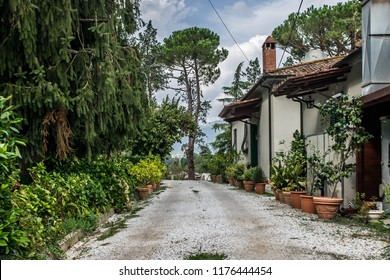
{"points": [[309, 102]]}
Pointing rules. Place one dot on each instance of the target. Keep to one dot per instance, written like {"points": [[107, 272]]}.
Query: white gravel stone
{"points": [[197, 216]]}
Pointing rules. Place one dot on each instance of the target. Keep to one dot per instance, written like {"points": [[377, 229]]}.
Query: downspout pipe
{"points": [[269, 126], [300, 112]]}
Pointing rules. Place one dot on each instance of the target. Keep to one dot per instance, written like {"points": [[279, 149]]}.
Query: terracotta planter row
{"points": [[324, 207], [144, 192], [249, 186]]}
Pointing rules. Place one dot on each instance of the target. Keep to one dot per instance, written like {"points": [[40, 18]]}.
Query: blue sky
{"points": [[249, 21]]}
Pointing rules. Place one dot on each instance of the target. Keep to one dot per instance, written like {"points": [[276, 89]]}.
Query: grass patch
{"points": [[206, 256], [56, 252], [115, 226], [113, 230], [377, 227], [86, 223], [267, 194]]}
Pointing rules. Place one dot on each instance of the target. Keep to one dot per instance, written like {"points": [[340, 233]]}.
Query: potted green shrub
{"points": [[258, 177], [315, 180], [288, 170], [147, 173], [249, 185], [229, 172], [347, 136], [239, 169]]}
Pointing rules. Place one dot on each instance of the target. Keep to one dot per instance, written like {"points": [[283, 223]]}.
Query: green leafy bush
{"points": [[147, 171], [13, 239]]}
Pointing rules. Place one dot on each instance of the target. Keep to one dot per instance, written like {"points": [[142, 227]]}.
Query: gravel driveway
{"points": [[197, 216]]}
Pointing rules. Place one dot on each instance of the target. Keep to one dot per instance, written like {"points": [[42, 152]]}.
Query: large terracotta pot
{"points": [[260, 187], [276, 194], [280, 195], [296, 199], [307, 204], [239, 184], [143, 193], [327, 207], [249, 186], [287, 197], [231, 181]]}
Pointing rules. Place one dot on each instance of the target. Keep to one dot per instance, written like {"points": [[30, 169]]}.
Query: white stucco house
{"points": [[286, 99]]}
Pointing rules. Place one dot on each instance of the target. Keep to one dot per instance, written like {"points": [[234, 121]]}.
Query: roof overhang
{"points": [[311, 83], [240, 110], [376, 97], [265, 80]]}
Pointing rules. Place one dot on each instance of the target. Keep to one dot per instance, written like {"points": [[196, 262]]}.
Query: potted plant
{"points": [[372, 209], [356, 204], [288, 171], [147, 173], [258, 177], [229, 172], [249, 185], [239, 169], [315, 180], [347, 135]]}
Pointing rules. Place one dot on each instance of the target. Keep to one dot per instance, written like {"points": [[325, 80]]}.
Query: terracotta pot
{"points": [[307, 204], [231, 181], [150, 187], [240, 184], [280, 195], [351, 211], [276, 194], [143, 193], [327, 207], [249, 186], [287, 197], [296, 199], [260, 187]]}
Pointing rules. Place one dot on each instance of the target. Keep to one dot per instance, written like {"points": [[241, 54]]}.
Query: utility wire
{"points": [[228, 30]]}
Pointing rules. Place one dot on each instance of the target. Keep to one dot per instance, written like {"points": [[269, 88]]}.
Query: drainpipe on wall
{"points": [[269, 126], [300, 114]]}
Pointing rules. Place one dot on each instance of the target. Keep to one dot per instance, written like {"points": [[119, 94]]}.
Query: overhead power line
{"points": [[228, 31]]}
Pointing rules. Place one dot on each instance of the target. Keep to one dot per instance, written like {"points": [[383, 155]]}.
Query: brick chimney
{"points": [[269, 54]]}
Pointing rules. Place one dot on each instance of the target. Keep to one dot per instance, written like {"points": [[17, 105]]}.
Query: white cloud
{"points": [[166, 15]]}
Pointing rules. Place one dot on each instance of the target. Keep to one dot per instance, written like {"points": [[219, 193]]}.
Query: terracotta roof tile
{"points": [[305, 68]]}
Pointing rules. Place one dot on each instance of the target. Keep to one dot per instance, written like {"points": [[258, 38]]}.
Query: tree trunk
{"points": [[190, 158]]}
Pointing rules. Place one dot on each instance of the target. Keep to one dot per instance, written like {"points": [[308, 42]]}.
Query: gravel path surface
{"points": [[196, 216]]}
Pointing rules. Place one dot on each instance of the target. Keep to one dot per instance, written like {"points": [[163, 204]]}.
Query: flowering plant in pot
{"points": [[343, 117]]}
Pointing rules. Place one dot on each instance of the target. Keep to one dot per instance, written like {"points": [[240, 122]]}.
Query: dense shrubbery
{"points": [[80, 189], [35, 215]]}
